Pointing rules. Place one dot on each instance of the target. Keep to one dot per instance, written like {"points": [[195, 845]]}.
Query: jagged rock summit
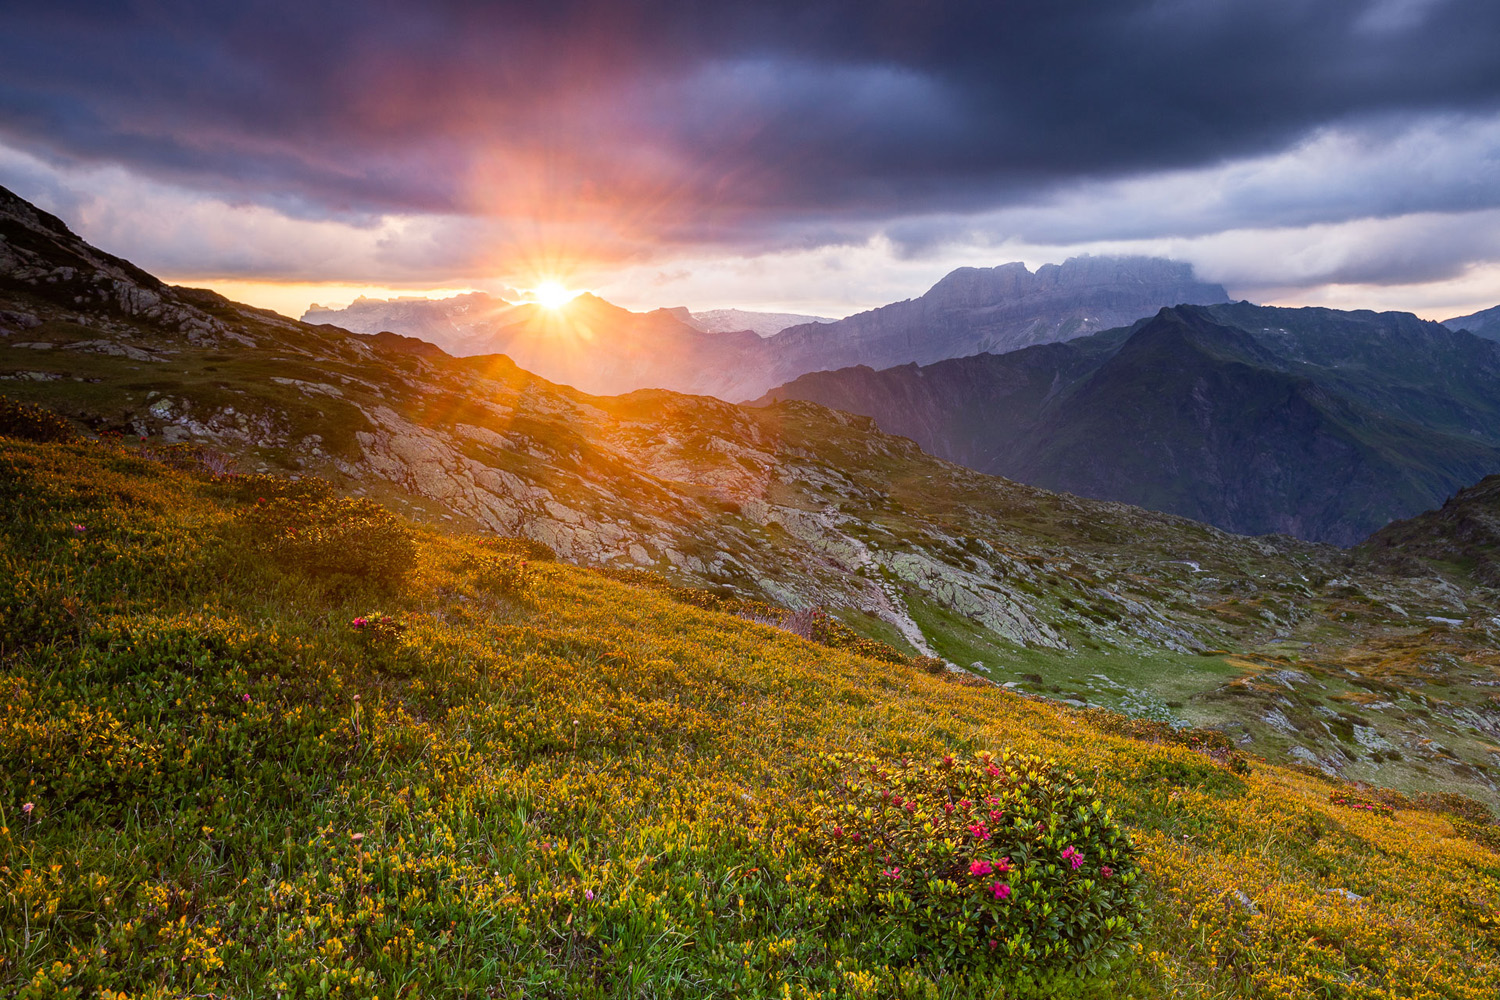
{"points": [[995, 310], [738, 355]]}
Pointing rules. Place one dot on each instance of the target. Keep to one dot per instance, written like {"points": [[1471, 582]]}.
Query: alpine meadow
{"points": [[630, 583]]}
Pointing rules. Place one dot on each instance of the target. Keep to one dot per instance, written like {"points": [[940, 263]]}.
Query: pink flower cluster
{"points": [[986, 867], [1071, 856]]}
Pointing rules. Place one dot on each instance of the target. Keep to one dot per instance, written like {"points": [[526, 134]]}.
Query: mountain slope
{"points": [[539, 781], [1485, 323], [1315, 423], [589, 343], [1095, 602], [1462, 537]]}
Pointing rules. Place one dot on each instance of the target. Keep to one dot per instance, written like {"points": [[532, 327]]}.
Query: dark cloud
{"points": [[715, 122]]}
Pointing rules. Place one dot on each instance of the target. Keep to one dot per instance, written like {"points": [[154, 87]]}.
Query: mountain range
{"points": [[1485, 323], [598, 347], [1311, 422], [1091, 602]]}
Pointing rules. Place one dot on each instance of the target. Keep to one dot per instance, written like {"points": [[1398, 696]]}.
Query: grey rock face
{"points": [[992, 310]]}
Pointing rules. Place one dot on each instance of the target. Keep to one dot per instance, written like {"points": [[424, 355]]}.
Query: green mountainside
{"points": [[221, 647], [792, 504], [1315, 423]]}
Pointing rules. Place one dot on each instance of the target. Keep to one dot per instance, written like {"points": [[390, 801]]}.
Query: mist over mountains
{"points": [[599, 347]]}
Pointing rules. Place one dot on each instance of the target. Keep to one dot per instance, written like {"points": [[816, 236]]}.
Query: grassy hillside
{"points": [[535, 780]]}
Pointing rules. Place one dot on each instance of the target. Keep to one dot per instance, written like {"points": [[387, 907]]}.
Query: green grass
{"points": [[582, 789]]}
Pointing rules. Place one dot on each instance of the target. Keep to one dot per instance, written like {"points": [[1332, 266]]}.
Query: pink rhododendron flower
{"points": [[979, 831], [1106, 871], [1071, 856], [1001, 890], [948, 808], [992, 770], [981, 868], [892, 873]]}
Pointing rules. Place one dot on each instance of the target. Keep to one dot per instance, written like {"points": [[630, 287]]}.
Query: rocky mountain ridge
{"points": [[1485, 323], [1311, 422], [599, 347]]}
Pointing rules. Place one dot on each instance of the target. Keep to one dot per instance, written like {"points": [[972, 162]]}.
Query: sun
{"points": [[551, 295]]}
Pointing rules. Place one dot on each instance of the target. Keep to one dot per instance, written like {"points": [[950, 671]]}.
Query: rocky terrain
{"points": [[1310, 422], [1298, 651]]}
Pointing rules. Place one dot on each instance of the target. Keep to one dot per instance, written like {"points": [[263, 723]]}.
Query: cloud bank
{"points": [[409, 142]]}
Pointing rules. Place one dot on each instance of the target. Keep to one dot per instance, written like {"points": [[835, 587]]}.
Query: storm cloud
{"points": [[636, 128]]}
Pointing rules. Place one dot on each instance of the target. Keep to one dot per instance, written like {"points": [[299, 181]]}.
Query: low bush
{"points": [[378, 630], [33, 423], [1211, 743], [524, 547], [986, 862], [328, 536]]}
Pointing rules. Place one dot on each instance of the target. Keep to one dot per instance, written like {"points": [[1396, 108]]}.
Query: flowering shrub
{"points": [[524, 547], [331, 536], [992, 860], [1360, 802], [509, 575], [378, 629], [33, 423]]}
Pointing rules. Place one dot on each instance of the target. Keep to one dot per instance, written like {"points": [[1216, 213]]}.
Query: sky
{"points": [[819, 156]]}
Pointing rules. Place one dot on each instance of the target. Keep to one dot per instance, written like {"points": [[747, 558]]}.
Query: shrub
{"points": [[191, 458], [980, 863], [525, 547], [1352, 801], [259, 488], [1212, 743], [33, 423], [378, 630], [508, 575], [931, 664], [326, 536]]}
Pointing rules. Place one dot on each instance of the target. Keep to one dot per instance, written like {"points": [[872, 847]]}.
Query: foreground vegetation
{"points": [[231, 766]]}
